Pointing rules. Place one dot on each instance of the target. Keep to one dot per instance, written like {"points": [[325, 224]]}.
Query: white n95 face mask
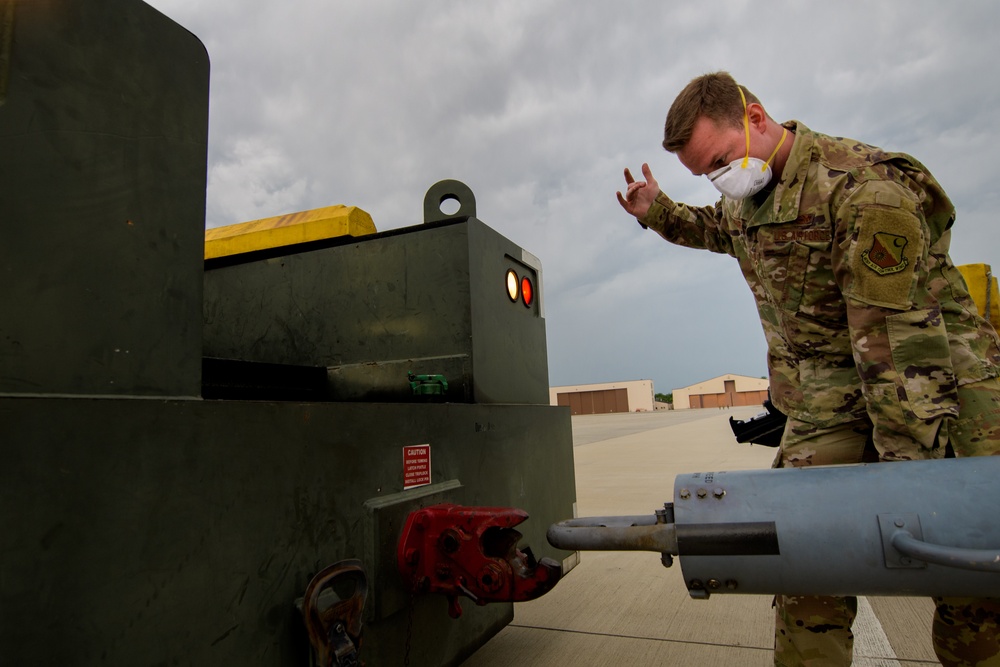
{"points": [[741, 178], [748, 175]]}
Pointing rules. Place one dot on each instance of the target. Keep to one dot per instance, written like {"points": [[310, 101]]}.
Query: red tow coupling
{"points": [[471, 551]]}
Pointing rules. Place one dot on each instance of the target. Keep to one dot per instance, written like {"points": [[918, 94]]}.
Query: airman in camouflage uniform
{"points": [[875, 348]]}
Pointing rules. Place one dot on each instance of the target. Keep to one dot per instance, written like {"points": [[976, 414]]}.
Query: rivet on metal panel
{"points": [[684, 494], [702, 493], [731, 584], [714, 584], [718, 493]]}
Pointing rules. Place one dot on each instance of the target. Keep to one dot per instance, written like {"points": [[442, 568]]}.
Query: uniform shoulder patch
{"points": [[889, 245]]}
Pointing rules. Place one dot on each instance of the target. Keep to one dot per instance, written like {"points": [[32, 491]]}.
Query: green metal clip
{"points": [[427, 385]]}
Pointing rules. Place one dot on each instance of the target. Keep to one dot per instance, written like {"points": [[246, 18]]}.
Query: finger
{"points": [[621, 200], [647, 174], [628, 177]]}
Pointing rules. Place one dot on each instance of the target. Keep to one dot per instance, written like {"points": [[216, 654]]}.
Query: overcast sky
{"points": [[538, 105]]}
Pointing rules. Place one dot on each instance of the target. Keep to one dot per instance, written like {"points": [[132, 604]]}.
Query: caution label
{"points": [[416, 466]]}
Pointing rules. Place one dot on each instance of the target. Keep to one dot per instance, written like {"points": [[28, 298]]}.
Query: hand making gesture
{"points": [[639, 195]]}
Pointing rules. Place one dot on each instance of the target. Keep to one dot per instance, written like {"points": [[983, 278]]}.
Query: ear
{"points": [[757, 116]]}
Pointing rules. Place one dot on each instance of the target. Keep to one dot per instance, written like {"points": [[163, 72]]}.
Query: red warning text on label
{"points": [[416, 466]]}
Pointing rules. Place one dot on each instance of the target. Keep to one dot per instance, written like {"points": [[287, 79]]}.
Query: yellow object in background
{"points": [[983, 288], [286, 230]]}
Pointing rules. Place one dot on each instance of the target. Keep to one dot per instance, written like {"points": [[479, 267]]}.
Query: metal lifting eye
{"points": [[456, 194]]}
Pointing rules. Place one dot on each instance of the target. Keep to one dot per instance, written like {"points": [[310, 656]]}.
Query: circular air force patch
{"points": [[885, 255]]}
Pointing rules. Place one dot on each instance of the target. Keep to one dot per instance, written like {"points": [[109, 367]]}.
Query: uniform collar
{"points": [[782, 205], [788, 193]]}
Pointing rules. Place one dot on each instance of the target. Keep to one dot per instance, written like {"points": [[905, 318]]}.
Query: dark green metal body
{"points": [[143, 524], [103, 139], [428, 299], [149, 531]]}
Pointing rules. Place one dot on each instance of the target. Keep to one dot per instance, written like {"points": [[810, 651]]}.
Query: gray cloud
{"points": [[538, 106]]}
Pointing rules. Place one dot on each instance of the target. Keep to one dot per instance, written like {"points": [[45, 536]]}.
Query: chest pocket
{"points": [[788, 259]]}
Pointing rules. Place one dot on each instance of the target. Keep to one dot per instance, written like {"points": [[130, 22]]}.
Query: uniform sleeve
{"points": [[898, 335], [694, 227]]}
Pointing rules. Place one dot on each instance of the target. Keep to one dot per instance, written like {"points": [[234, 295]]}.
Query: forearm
{"points": [[694, 227]]}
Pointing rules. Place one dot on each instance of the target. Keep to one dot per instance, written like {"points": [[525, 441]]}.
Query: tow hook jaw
{"points": [[472, 552]]}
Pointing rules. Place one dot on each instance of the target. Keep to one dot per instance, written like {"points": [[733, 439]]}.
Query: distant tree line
{"points": [[664, 398]]}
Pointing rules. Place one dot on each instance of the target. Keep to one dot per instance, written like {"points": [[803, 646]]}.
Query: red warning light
{"points": [[527, 291], [512, 285]]}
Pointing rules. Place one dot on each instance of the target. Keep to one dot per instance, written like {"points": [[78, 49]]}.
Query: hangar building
{"points": [[725, 391], [590, 399]]}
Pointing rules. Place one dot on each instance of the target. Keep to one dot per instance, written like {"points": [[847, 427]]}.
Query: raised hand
{"points": [[639, 195]]}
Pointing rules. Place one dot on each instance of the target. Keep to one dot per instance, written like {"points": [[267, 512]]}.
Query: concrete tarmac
{"points": [[625, 608]]}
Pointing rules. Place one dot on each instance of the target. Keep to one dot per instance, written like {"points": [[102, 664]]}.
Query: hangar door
{"points": [[595, 402], [730, 398]]}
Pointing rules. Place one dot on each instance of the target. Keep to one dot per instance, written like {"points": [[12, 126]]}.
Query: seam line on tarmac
{"points": [[686, 641], [652, 639]]}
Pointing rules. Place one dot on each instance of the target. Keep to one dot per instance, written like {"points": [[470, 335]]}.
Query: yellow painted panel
{"points": [[983, 288], [286, 230]]}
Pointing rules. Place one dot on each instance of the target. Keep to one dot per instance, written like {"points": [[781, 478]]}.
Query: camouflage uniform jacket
{"points": [[863, 311]]}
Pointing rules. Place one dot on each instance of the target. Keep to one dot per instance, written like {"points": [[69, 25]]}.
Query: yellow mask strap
{"points": [[746, 130], [746, 127], [784, 133]]}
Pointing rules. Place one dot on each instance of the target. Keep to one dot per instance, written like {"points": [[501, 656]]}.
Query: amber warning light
{"points": [[520, 289]]}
